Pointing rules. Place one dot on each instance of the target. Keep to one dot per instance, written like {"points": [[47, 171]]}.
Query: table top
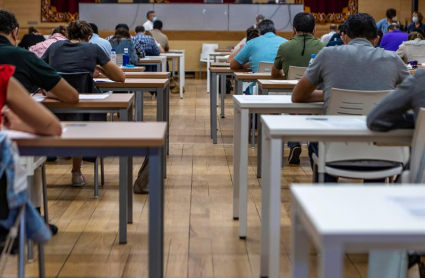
{"points": [[226, 70], [220, 64], [277, 84], [255, 76], [135, 69], [269, 101], [98, 134], [334, 128], [152, 75], [117, 101], [132, 83], [176, 51], [226, 50], [148, 60], [172, 54], [363, 210], [219, 54]]}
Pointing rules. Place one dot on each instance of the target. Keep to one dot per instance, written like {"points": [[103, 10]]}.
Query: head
{"points": [[80, 31], [9, 26], [121, 34], [420, 31], [139, 29], [415, 35], [391, 14], [151, 15], [417, 17], [266, 26], [94, 28], [361, 26], [259, 18], [157, 24], [333, 28], [394, 26], [340, 27], [33, 31], [61, 30], [254, 33], [304, 23], [249, 30], [122, 25]]}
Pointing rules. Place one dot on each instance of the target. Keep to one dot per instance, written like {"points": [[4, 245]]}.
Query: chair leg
{"points": [[21, 254], [102, 172], [200, 70], [96, 178], [315, 174], [30, 242], [45, 201], [253, 131]]}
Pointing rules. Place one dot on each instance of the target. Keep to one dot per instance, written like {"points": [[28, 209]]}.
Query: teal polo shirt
{"points": [[261, 49]]}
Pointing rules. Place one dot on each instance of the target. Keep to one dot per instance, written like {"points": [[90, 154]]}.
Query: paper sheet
{"points": [[293, 82], [13, 134], [103, 80], [38, 99], [339, 122], [255, 98], [414, 205], [103, 96]]}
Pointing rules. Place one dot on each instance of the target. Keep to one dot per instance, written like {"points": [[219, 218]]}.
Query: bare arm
{"points": [[112, 71], [304, 91], [232, 56], [64, 92], [277, 73], [27, 115], [235, 65]]}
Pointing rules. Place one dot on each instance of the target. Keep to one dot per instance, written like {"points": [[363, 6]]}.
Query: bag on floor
{"points": [[174, 85], [141, 184]]}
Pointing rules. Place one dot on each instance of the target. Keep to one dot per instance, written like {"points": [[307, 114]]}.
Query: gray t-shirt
{"points": [[65, 56], [356, 66]]}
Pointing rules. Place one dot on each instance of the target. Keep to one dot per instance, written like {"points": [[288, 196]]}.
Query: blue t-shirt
{"points": [[261, 49]]}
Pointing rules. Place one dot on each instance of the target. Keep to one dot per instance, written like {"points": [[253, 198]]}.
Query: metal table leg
{"points": [[223, 93], [123, 198], [139, 106], [213, 94]]}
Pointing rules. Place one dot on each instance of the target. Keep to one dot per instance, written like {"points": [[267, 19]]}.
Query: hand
{"points": [[43, 92], [96, 73]]}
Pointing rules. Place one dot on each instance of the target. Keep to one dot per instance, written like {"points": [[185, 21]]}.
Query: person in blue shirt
{"points": [[261, 49], [383, 24], [95, 39], [417, 18]]}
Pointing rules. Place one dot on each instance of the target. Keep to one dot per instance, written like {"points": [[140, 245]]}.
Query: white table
{"points": [[277, 129], [158, 61], [243, 106], [214, 54], [353, 218], [181, 66], [183, 60]]}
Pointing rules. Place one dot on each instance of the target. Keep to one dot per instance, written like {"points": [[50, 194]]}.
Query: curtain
{"points": [[70, 6], [326, 6]]}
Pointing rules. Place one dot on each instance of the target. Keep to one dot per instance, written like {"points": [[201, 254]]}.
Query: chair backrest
{"points": [[296, 73], [208, 48], [350, 102], [81, 81], [265, 67], [420, 59], [417, 160]]}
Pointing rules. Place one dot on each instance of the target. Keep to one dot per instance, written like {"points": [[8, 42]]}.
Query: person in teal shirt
{"points": [[261, 49]]}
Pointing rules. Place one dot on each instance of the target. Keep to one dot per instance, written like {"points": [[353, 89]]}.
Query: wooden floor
{"points": [[201, 238]]}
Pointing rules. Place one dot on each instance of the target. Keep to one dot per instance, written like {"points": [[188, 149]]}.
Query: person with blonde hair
{"points": [[415, 46]]}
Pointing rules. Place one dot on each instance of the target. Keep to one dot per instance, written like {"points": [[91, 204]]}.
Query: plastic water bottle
{"points": [[113, 56], [125, 58], [312, 59]]}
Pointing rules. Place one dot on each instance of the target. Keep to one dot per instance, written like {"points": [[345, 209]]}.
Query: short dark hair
{"points": [[8, 22], [249, 30], [157, 24], [122, 25], [32, 30], [420, 16], [94, 28], [61, 30], [333, 27], [420, 31], [304, 22], [394, 25], [415, 35], [391, 13], [140, 29], [149, 13], [266, 26], [361, 25], [79, 30], [254, 33]]}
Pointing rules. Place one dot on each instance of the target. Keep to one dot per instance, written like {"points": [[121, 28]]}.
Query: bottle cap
{"points": [[112, 49], [313, 56]]}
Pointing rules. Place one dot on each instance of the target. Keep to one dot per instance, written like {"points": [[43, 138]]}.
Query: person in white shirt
{"points": [[326, 38], [151, 15]]}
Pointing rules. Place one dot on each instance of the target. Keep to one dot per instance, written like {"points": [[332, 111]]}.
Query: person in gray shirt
{"points": [[392, 111]]}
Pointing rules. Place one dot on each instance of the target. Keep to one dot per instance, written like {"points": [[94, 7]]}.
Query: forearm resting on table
{"points": [[316, 96]]}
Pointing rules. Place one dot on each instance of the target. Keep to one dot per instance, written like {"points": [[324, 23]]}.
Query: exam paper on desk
{"points": [[102, 96], [292, 82], [103, 80]]}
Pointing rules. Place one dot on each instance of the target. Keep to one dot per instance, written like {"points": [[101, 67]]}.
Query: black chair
{"points": [[84, 84]]}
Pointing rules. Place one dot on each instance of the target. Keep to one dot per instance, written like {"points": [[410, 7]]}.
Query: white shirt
{"points": [[148, 25], [326, 38]]}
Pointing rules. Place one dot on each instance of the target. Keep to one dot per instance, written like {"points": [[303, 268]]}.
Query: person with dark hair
{"points": [[417, 18], [139, 29], [62, 57], [261, 49], [394, 38], [145, 45], [297, 52], [32, 38], [151, 16], [415, 46], [159, 36], [327, 37], [251, 33], [119, 25], [336, 38], [258, 19], [58, 34], [383, 24], [95, 39], [122, 40]]}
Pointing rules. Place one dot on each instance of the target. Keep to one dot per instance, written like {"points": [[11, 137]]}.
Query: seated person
{"points": [[121, 40], [336, 38], [32, 38], [145, 45], [61, 56], [58, 34], [297, 52], [149, 34], [121, 25], [243, 41], [415, 46], [95, 39], [394, 38], [417, 18], [159, 36]]}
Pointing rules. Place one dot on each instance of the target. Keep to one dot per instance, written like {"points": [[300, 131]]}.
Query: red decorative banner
{"points": [[61, 10], [330, 11]]}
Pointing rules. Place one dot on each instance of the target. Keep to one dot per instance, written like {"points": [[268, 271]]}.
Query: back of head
{"points": [[120, 34], [32, 30], [266, 26], [250, 30], [8, 22], [122, 25], [79, 30], [361, 25], [157, 24], [140, 29], [333, 27], [391, 13], [259, 17], [394, 26], [148, 14], [415, 35], [254, 33], [420, 17], [304, 23], [94, 28], [61, 30]]}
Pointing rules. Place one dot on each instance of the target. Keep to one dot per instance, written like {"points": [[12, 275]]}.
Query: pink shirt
{"points": [[41, 47]]}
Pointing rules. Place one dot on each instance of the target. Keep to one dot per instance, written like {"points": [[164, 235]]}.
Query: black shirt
{"points": [[31, 72], [29, 40], [65, 56]]}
